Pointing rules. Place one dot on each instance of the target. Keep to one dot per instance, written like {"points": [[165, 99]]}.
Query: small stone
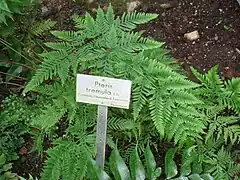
{"points": [[45, 10], [165, 5], [23, 151], [94, 10], [216, 38], [238, 2], [105, 8], [189, 57], [131, 6], [238, 51], [90, 1], [192, 35]]}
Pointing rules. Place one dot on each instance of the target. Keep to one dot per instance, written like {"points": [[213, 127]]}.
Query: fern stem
{"points": [[12, 62], [13, 76], [9, 46], [34, 42], [14, 84]]}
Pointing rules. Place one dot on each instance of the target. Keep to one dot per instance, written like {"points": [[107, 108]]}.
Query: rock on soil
{"points": [[132, 6], [192, 35]]}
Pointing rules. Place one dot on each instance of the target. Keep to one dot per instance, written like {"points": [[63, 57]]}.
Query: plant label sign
{"points": [[103, 91]]}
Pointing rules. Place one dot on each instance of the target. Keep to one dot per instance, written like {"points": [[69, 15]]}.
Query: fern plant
{"points": [[211, 156], [68, 158], [107, 46], [222, 105], [15, 122], [13, 126], [216, 91], [38, 28]]}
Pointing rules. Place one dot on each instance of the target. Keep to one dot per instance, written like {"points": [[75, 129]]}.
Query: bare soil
{"points": [[218, 23]]}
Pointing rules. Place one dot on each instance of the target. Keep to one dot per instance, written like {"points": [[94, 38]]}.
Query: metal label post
{"points": [[101, 135], [104, 92]]}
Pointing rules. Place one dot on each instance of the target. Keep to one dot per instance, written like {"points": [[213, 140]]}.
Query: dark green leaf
{"points": [[7, 167], [197, 166], [136, 166], [14, 71], [170, 165], [4, 6], [186, 162], [94, 172], [118, 166], [157, 172], [195, 177], [207, 177], [10, 176], [5, 64], [150, 162], [8, 30], [180, 178], [2, 160]]}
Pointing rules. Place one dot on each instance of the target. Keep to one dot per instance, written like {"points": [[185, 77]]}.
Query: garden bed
{"points": [[218, 25]]}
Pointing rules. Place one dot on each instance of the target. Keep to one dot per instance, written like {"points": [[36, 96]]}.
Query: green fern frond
{"points": [[187, 129], [211, 79], [234, 170], [156, 107], [220, 165], [63, 71], [50, 115], [179, 83], [40, 27], [67, 160], [110, 14], [215, 90], [129, 21], [147, 43], [131, 42], [90, 26], [50, 68], [227, 127], [79, 22], [183, 97], [139, 98], [233, 85], [101, 22], [111, 40], [59, 45], [161, 70], [120, 124], [69, 36]]}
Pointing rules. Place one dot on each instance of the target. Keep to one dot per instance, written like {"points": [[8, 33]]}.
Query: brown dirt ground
{"points": [[218, 23]]}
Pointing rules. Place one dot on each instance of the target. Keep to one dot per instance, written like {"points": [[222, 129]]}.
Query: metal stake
{"points": [[101, 135]]}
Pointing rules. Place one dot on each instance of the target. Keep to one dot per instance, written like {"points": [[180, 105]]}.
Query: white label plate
{"points": [[103, 91]]}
